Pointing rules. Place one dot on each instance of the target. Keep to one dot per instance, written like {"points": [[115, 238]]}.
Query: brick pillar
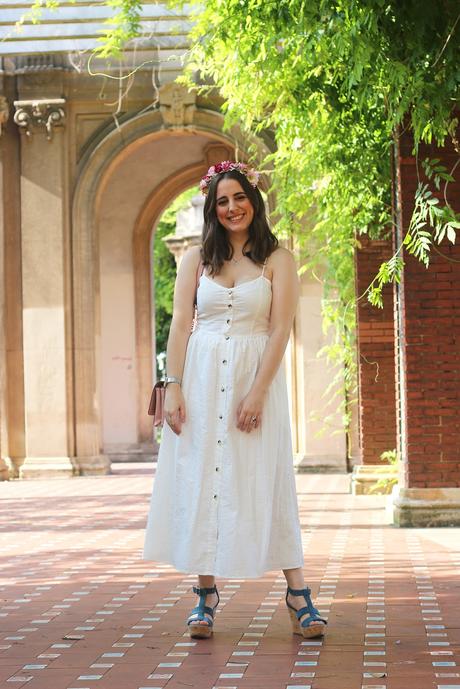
{"points": [[429, 319], [376, 368]]}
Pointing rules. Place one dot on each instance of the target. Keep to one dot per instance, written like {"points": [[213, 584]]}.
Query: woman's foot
{"points": [[201, 619], [309, 624], [212, 600]]}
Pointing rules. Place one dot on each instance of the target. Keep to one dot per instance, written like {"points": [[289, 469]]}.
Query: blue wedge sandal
{"points": [[197, 629], [311, 626]]}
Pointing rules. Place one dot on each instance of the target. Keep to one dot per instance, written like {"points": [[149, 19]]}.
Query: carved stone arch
{"points": [[158, 201], [96, 167]]}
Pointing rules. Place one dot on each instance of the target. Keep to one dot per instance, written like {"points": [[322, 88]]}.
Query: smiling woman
{"points": [[235, 220], [224, 500]]}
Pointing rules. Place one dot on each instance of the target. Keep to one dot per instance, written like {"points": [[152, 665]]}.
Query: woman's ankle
{"points": [[206, 582]]}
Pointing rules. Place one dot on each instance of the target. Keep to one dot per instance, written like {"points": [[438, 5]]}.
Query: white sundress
{"points": [[224, 501]]}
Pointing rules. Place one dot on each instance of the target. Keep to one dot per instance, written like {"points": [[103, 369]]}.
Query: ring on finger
{"points": [[254, 420]]}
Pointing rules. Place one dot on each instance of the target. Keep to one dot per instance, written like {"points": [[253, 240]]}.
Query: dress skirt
{"points": [[224, 501]]}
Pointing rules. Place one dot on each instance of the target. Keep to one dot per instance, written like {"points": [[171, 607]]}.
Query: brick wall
{"points": [[431, 314], [376, 357]]}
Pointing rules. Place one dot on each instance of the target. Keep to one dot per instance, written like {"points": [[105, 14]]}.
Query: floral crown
{"points": [[227, 166]]}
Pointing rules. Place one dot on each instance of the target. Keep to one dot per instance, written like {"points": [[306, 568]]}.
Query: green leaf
{"points": [[451, 234]]}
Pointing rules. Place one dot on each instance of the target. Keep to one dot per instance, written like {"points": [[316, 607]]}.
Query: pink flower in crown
{"points": [[224, 166], [227, 166]]}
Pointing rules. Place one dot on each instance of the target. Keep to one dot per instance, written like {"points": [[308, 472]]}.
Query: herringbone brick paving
{"points": [[81, 610]]}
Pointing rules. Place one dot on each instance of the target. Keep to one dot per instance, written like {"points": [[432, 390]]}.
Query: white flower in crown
{"points": [[227, 166], [253, 177]]}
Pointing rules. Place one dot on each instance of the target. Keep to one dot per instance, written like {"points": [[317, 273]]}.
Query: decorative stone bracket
{"points": [[47, 113], [177, 105]]}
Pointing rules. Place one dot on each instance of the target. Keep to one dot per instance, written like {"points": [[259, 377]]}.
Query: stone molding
{"points": [[5, 473], [423, 507], [313, 464], [47, 467], [37, 63], [47, 113], [365, 479], [95, 465]]}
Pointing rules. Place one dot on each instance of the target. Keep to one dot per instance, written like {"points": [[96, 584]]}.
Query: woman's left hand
{"points": [[249, 411]]}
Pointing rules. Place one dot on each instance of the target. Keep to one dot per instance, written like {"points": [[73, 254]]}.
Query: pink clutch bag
{"points": [[157, 398], [157, 403]]}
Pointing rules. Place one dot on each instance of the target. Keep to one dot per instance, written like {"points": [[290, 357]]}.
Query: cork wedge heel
{"points": [[311, 626]]}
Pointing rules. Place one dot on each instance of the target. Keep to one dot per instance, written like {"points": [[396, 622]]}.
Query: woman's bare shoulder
{"points": [[193, 253], [191, 258], [281, 258]]}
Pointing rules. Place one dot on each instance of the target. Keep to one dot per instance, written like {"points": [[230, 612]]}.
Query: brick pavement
{"points": [[81, 610]]}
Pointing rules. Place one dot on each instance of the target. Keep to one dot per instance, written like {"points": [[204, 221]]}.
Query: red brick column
{"points": [[376, 357], [430, 312]]}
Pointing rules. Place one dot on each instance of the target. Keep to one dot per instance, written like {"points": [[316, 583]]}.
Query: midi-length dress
{"points": [[224, 501]]}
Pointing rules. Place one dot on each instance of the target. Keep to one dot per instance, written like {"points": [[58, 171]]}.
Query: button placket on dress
{"points": [[222, 411]]}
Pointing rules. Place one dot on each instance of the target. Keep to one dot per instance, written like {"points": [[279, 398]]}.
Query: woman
{"points": [[224, 500]]}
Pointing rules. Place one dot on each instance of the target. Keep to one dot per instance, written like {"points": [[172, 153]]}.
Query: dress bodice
{"points": [[240, 310]]}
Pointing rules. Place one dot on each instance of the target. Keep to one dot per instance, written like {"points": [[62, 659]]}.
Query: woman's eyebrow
{"points": [[221, 197]]}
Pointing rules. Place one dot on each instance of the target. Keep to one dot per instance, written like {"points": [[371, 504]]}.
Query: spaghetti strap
{"points": [[264, 266]]}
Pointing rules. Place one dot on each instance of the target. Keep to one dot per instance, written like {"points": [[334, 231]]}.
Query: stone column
{"points": [[429, 373], [12, 361], [376, 371], [320, 441], [4, 472], [47, 396]]}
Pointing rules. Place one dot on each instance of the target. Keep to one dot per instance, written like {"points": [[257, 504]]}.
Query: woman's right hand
{"points": [[174, 407]]}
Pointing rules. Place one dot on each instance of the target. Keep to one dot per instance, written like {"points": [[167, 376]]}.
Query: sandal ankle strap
{"points": [[200, 591], [299, 592]]}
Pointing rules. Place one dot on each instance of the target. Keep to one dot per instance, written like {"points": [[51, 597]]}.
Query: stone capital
{"points": [[44, 113]]}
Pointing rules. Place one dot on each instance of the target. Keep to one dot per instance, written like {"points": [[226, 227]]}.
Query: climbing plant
{"points": [[334, 83]]}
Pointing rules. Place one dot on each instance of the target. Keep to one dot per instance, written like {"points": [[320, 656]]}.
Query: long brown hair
{"points": [[216, 247]]}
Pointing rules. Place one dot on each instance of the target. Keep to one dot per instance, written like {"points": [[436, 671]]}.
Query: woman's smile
{"points": [[236, 218]]}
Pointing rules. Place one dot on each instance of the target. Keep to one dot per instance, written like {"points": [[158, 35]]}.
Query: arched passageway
{"points": [[122, 192]]}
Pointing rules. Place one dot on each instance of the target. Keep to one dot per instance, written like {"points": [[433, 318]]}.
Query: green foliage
{"points": [[384, 485], [122, 27], [34, 14], [332, 82], [164, 270], [431, 223]]}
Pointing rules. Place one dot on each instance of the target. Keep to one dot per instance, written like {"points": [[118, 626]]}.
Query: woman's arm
{"points": [[179, 333], [285, 295]]}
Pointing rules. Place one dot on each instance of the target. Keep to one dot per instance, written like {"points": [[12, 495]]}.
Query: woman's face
{"points": [[233, 208]]}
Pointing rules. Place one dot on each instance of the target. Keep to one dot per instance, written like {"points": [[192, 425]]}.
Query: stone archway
{"points": [[158, 201], [98, 177]]}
